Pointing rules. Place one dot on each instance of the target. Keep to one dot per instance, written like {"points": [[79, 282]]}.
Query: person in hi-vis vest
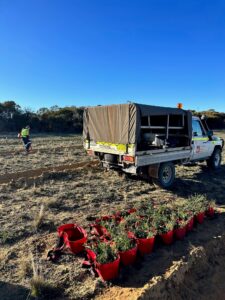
{"points": [[25, 135]]}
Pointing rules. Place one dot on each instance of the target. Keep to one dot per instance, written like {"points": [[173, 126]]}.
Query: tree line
{"points": [[66, 119], [215, 119], [53, 119]]}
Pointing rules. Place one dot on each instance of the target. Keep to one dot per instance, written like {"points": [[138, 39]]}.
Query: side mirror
{"points": [[210, 133]]}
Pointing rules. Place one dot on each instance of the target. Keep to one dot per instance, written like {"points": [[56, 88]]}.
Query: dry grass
{"points": [[39, 219], [3, 254], [47, 151], [78, 196], [4, 236], [25, 268], [53, 202], [40, 287]]}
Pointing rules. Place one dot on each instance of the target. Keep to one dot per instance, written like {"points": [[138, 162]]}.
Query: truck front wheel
{"points": [[215, 160], [166, 175]]}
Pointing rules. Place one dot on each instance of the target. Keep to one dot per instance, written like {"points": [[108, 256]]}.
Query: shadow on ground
{"points": [[10, 291], [163, 257], [209, 182]]}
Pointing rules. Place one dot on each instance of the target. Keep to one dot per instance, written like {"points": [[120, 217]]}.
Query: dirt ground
{"points": [[36, 197], [48, 151]]}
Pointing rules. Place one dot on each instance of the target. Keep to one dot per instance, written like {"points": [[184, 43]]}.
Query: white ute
{"points": [[149, 140]]}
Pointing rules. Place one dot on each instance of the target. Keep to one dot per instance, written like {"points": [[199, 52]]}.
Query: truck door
{"points": [[201, 145]]}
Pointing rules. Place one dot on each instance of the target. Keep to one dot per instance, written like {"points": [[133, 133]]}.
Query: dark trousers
{"points": [[27, 143]]}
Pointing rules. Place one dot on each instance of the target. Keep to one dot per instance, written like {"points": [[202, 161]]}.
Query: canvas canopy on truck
{"points": [[122, 124]]}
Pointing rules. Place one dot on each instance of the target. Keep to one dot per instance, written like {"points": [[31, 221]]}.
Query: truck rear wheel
{"points": [[215, 159], [166, 175]]}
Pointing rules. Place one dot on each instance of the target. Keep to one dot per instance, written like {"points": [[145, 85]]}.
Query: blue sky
{"points": [[90, 52]]}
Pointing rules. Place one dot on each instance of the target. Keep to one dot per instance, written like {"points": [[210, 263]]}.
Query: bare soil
{"points": [[48, 151], [72, 188]]}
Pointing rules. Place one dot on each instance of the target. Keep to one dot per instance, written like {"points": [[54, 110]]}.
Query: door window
{"points": [[197, 128]]}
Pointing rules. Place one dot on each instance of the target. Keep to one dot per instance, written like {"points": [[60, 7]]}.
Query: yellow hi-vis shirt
{"points": [[24, 132]]}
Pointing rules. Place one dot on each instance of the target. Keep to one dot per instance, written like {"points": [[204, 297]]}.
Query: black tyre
{"points": [[215, 160], [166, 175]]}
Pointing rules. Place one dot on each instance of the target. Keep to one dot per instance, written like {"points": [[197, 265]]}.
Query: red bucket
{"points": [[68, 228], [180, 233], [104, 218], [118, 219], [107, 271], [74, 237], [132, 210], [190, 224], [200, 217], [210, 212], [145, 246], [130, 235], [99, 230], [118, 213], [110, 270], [167, 238], [128, 257], [91, 255]]}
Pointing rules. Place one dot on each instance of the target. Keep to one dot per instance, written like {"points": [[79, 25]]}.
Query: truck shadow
{"points": [[208, 182], [9, 291]]}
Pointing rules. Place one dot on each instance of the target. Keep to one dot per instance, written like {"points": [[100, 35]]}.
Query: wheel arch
{"points": [[218, 147]]}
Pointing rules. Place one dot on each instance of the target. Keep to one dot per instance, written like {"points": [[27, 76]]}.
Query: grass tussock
{"points": [[25, 268], [38, 220], [42, 289], [4, 236], [53, 202]]}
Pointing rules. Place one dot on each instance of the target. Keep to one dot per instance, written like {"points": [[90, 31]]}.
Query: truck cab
{"points": [[205, 146]]}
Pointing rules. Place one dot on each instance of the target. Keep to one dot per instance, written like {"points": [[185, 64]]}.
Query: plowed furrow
{"points": [[37, 172]]}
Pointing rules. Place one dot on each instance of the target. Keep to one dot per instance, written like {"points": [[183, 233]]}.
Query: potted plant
{"points": [[103, 227], [127, 248], [184, 221], [145, 208], [104, 218], [100, 231], [190, 224], [130, 222], [165, 220], [180, 228], [145, 235], [166, 231], [131, 211], [199, 203], [105, 259], [189, 216], [120, 215], [210, 209]]}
